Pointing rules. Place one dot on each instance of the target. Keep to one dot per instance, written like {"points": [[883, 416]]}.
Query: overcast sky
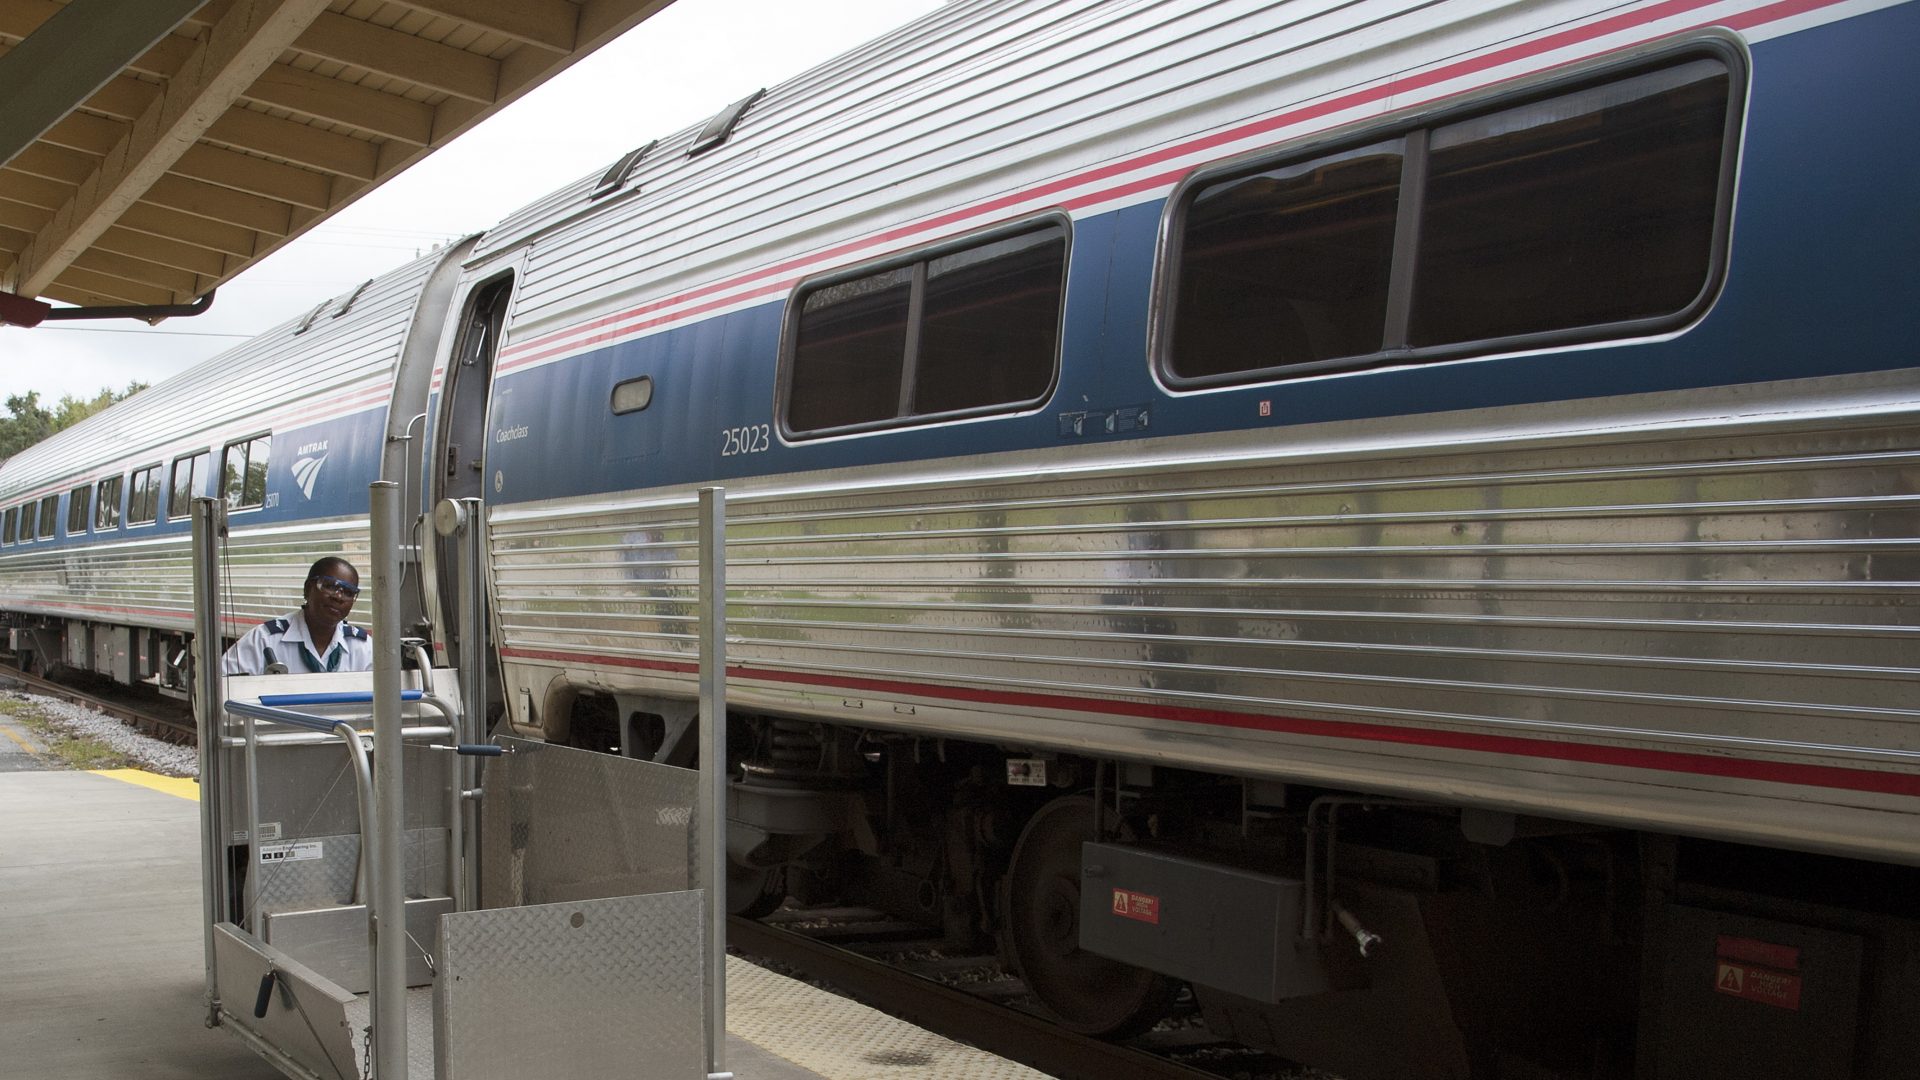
{"points": [[675, 69]]}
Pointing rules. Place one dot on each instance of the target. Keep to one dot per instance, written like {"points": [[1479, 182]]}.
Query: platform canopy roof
{"points": [[150, 150]]}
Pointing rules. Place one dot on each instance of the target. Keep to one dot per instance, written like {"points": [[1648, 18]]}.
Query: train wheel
{"points": [[753, 894], [1041, 925]]}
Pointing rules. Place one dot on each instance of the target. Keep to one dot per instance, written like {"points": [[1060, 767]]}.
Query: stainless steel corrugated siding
{"points": [[1734, 590], [977, 100], [232, 395]]}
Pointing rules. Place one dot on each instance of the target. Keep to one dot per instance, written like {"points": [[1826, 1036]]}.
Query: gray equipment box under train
{"points": [[1204, 922], [1784, 996]]}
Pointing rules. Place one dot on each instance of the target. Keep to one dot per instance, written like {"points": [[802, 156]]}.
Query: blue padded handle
{"points": [[483, 749], [344, 697]]}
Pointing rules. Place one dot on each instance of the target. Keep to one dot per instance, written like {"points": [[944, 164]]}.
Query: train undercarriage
{"points": [[1373, 936]]}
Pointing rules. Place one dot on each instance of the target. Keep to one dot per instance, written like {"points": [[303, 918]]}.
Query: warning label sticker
{"points": [[1776, 988], [285, 853], [1751, 951], [1027, 772], [1137, 906]]}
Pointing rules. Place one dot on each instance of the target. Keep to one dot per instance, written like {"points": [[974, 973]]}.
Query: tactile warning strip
{"points": [[845, 1040]]}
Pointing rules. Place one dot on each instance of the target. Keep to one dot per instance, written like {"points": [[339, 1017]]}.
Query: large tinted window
{"points": [[957, 331], [243, 473], [49, 516], [13, 523], [1577, 215], [1288, 265], [990, 324], [189, 473], [1591, 208], [143, 496], [106, 504], [848, 352], [78, 502]]}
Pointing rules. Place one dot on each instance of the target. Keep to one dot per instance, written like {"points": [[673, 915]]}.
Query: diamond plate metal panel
{"points": [[307, 883], [420, 1034], [610, 987], [333, 941], [560, 823], [308, 790], [296, 885], [426, 862]]}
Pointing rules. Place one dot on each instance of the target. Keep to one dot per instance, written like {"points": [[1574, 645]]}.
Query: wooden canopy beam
{"points": [[242, 45], [73, 51], [547, 24]]}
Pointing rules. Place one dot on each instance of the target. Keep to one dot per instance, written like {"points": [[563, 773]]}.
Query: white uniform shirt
{"points": [[291, 644]]}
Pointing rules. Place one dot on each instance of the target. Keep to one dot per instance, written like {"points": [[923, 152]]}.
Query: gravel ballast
{"points": [[152, 754]]}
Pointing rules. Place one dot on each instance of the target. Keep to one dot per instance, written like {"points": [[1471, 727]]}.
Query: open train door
{"points": [[456, 466]]}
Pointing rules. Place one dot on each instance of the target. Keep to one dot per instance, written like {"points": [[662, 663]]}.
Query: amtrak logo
{"points": [[306, 472]]}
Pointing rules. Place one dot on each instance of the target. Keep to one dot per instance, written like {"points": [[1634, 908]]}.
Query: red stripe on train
{"points": [[1672, 761]]}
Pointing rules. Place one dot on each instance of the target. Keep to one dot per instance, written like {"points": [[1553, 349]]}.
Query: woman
{"points": [[315, 638]]}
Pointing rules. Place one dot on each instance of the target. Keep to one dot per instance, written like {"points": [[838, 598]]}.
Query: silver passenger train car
{"points": [[1397, 518]]}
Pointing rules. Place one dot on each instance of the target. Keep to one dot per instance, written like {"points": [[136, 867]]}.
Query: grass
{"points": [[76, 751]]}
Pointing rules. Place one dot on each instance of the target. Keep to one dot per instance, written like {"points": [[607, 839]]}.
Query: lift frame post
{"points": [[710, 834]]}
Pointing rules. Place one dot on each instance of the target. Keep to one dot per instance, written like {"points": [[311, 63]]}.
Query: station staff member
{"points": [[313, 639]]}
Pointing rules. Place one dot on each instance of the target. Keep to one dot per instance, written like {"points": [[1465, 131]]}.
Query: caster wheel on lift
{"points": [[1041, 927]]}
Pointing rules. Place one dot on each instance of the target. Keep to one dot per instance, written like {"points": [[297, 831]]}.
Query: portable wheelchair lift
{"points": [[557, 912]]}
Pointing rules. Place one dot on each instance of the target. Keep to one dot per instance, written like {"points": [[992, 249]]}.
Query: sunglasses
{"points": [[335, 586]]}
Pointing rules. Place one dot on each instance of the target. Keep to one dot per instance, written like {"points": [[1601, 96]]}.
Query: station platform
{"points": [[101, 945]]}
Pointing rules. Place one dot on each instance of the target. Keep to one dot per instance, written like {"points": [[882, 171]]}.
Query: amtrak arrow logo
{"points": [[306, 471]]}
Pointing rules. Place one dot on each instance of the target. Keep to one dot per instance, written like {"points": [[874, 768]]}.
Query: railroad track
{"points": [[173, 729], [900, 969]]}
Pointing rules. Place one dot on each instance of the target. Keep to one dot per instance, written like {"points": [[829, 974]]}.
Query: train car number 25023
{"points": [[751, 439]]}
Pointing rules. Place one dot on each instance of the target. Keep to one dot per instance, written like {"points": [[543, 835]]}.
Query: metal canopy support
{"points": [[710, 836], [78, 50]]}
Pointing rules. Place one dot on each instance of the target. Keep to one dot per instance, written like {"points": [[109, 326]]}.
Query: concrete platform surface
{"points": [[101, 957]]}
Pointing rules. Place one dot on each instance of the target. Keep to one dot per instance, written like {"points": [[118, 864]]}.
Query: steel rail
{"points": [[181, 732], [1012, 1034]]}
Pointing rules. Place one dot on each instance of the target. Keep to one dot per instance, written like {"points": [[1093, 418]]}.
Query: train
{"points": [[1391, 527]]}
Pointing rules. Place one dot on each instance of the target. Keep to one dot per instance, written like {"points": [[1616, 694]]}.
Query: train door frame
{"points": [[466, 395]]}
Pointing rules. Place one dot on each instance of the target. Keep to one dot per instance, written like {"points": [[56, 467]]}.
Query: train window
{"points": [[243, 472], [1582, 214], [953, 331], [846, 363], [79, 501], [632, 395], [106, 504], [1591, 208], [189, 479], [12, 523], [1289, 265], [49, 516], [990, 324], [143, 496]]}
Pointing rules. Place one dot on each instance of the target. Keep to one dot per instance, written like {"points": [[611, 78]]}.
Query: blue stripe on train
{"points": [[318, 471]]}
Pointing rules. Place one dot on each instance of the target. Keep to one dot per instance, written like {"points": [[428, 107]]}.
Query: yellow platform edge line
{"points": [[180, 786], [22, 740]]}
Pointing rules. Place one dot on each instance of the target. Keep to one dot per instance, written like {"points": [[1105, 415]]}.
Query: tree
{"points": [[32, 421], [28, 425]]}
